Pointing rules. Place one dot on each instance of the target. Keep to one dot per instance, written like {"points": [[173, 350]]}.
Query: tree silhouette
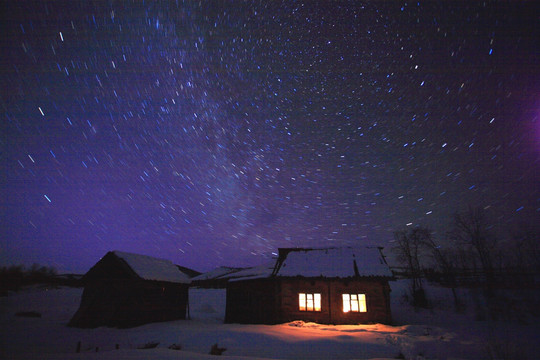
{"points": [[470, 229], [409, 244]]}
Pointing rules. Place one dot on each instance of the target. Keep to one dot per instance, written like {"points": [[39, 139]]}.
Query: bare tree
{"points": [[470, 229], [527, 250], [408, 248], [445, 259]]}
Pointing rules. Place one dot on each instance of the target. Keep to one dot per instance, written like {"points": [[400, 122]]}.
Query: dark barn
{"points": [[328, 286], [125, 290]]}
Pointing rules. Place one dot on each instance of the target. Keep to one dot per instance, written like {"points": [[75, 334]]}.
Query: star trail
{"points": [[212, 133]]}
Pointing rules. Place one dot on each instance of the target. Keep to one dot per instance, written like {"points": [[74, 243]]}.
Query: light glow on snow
{"points": [[438, 333]]}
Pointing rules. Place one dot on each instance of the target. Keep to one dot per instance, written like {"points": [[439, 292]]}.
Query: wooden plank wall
{"points": [[377, 298], [272, 301]]}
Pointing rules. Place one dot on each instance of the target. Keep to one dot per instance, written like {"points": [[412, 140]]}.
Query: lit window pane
{"points": [[346, 303], [317, 299], [362, 301], [309, 302], [302, 301], [354, 302]]}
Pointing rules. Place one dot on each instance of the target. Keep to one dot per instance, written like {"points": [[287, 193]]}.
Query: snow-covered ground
{"points": [[439, 333]]}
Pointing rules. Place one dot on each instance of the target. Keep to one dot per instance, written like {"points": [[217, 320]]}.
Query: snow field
{"points": [[438, 333]]}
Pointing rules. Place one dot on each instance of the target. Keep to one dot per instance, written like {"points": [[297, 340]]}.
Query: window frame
{"points": [[354, 303], [309, 302]]}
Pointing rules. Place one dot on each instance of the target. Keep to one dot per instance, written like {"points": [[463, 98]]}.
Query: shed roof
{"points": [[255, 272], [151, 268], [217, 273], [342, 262]]}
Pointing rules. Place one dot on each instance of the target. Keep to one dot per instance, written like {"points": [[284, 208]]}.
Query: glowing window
{"points": [[354, 302], [309, 302]]}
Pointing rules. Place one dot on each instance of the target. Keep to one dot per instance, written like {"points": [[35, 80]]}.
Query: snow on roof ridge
{"points": [[254, 272], [152, 268], [217, 273], [339, 262]]}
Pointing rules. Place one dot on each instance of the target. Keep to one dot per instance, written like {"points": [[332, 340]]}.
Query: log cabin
{"points": [[328, 286]]}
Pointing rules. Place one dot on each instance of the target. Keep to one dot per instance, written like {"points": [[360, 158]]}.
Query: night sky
{"points": [[212, 134]]}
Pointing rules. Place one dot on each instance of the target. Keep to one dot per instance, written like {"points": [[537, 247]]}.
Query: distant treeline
{"points": [[507, 278], [469, 254], [12, 278]]}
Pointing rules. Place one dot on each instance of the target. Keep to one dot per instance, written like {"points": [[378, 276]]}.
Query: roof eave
{"points": [[359, 277]]}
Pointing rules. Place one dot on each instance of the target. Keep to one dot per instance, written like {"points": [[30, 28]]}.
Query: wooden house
{"points": [[329, 286], [124, 290]]}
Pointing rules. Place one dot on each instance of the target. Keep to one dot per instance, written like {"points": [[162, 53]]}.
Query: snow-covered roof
{"points": [[219, 272], [334, 262], [256, 272], [150, 268]]}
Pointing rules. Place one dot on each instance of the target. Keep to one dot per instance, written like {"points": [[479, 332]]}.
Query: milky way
{"points": [[212, 134]]}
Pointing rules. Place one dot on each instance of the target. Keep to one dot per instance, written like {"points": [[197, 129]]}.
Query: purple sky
{"points": [[213, 134]]}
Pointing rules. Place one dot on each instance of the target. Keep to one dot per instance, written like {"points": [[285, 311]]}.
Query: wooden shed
{"points": [[329, 286], [124, 290]]}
